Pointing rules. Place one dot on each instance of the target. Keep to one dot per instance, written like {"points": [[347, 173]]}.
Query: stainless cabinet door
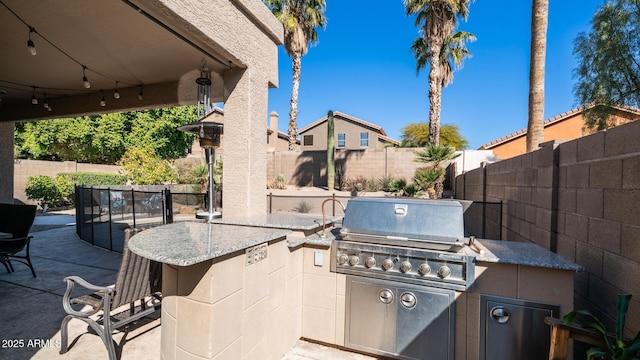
{"points": [[514, 329], [371, 316], [425, 323]]}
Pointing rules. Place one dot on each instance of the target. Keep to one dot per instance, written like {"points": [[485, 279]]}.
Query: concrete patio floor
{"points": [[31, 308]]}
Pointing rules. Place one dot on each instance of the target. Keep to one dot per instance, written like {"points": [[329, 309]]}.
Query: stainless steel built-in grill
{"points": [[404, 264]]}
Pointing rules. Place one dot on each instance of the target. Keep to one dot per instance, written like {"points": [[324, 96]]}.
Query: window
{"points": [[364, 139], [342, 139], [307, 140]]}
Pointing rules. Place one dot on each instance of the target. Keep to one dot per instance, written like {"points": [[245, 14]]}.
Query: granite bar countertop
{"points": [[520, 253], [188, 243], [296, 222]]}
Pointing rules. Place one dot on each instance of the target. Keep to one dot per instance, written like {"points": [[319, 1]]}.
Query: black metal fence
{"points": [[481, 219], [102, 213]]}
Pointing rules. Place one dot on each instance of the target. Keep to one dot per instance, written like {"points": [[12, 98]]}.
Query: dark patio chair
{"points": [[16, 220], [139, 279]]}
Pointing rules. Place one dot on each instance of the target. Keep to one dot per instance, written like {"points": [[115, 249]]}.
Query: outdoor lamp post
{"points": [[209, 134]]}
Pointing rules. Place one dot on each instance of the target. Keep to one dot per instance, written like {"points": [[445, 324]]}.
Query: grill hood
{"points": [[416, 220]]}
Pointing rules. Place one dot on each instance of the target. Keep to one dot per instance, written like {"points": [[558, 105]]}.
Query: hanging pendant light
{"points": [[116, 93], [30, 45], [85, 81], [34, 98], [103, 101]]}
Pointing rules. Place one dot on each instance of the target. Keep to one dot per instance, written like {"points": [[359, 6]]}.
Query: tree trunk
{"points": [[435, 93], [331, 161], [539, 22], [293, 109]]}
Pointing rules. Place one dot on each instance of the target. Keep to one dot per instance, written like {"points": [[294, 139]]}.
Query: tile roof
{"points": [[548, 122], [347, 117]]}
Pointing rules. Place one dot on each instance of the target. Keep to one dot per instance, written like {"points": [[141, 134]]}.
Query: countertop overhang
{"points": [[189, 243]]}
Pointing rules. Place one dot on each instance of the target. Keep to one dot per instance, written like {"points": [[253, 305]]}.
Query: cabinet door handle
{"points": [[385, 296], [500, 314]]}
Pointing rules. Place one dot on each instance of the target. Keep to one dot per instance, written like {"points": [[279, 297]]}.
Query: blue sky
{"points": [[362, 66]]}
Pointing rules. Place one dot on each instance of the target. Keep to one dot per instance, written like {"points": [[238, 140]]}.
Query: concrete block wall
{"points": [[25, 168], [308, 168], [581, 199]]}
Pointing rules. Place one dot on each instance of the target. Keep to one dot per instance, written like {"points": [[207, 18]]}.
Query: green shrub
{"points": [[303, 207], [43, 189], [92, 179]]}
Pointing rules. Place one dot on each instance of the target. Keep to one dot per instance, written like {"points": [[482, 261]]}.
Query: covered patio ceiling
{"points": [[133, 45]]}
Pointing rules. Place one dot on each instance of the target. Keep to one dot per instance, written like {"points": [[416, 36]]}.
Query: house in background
{"points": [[566, 126], [351, 134]]}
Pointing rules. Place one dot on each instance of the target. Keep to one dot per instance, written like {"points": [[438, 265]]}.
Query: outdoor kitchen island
{"points": [[256, 297]]}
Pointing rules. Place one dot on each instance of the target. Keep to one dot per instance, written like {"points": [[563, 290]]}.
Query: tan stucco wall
{"points": [[351, 130]]}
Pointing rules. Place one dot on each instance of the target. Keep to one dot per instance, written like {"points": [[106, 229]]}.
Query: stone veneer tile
{"points": [[277, 289], [276, 333], [294, 292], [319, 291], [341, 284], [561, 292], [233, 351], [277, 256], [254, 325], [589, 202], [340, 319], [259, 352], [295, 262], [497, 279], [293, 327], [606, 174], [195, 281], [168, 333], [193, 336], [256, 284], [227, 279], [630, 242], [318, 324], [310, 268], [184, 355], [631, 173]]}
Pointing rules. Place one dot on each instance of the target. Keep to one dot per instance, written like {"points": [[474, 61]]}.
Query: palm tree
{"points": [[437, 20], [432, 176], [300, 18], [539, 22]]}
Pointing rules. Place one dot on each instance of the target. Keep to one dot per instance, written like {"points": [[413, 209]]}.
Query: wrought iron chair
{"points": [[139, 279], [16, 220]]}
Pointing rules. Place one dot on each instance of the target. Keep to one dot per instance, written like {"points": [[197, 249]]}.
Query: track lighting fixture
{"points": [[103, 101], [46, 104], [85, 81], [140, 94], [116, 93], [30, 45], [34, 99]]}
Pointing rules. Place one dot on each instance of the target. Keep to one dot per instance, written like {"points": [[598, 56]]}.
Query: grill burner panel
{"points": [[415, 266]]}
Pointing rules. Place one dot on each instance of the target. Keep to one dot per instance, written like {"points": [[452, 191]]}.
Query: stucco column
{"points": [[6, 162], [244, 169]]}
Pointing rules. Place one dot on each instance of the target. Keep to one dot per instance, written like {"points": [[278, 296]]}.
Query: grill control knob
{"points": [[424, 269], [354, 260], [343, 259], [370, 262], [444, 271], [387, 264], [405, 266]]}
